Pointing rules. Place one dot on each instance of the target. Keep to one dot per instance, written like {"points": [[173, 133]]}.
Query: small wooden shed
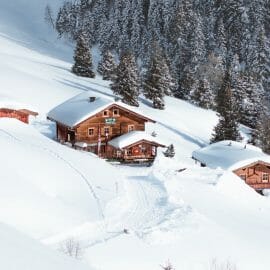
{"points": [[256, 174], [134, 146], [20, 114], [246, 161]]}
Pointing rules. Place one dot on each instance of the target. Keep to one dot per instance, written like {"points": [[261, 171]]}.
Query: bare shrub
{"points": [[167, 266], [72, 248], [226, 265]]}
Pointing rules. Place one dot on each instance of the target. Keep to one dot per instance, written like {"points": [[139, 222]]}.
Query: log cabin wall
{"points": [[14, 114], [256, 176], [88, 131], [140, 150], [61, 133]]}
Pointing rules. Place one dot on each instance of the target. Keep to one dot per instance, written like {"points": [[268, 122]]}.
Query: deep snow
{"points": [[21, 252], [53, 193]]}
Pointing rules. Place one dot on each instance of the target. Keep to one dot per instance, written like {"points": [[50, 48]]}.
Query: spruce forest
{"points": [[212, 53]]}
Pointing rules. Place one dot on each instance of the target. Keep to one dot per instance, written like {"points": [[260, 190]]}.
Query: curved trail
{"points": [[68, 163]]}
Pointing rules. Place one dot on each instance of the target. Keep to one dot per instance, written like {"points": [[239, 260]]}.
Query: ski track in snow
{"points": [[68, 163], [149, 203]]}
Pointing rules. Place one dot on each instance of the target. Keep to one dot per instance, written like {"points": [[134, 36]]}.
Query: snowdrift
{"points": [[20, 252], [47, 187]]}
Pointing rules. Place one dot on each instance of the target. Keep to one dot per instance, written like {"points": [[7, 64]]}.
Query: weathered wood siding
{"points": [[61, 132], [98, 123], [14, 114], [256, 175], [141, 150]]}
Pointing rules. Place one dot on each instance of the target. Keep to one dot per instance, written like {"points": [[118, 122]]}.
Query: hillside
{"points": [[53, 193], [21, 252]]}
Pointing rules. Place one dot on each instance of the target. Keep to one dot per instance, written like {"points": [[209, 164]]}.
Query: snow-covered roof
{"points": [[79, 108], [9, 103], [229, 155], [131, 138]]}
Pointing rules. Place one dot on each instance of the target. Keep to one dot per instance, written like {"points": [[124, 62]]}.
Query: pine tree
{"points": [[107, 66], [158, 80], [138, 27], [227, 127], [66, 21], [261, 137], [169, 151], [202, 95], [83, 59], [238, 85], [126, 81], [236, 23], [253, 105], [221, 41]]}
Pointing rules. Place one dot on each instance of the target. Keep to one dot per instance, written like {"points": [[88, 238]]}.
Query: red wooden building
{"points": [[92, 123], [135, 145], [255, 174], [246, 161], [20, 114]]}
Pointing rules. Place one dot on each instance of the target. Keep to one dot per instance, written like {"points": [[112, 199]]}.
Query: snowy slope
{"points": [[54, 187], [53, 193], [21, 252]]}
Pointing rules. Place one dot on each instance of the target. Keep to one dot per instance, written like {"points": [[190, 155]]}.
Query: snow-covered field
{"points": [[52, 193]]}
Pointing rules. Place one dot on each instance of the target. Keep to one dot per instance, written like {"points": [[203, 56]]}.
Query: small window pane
{"points": [[130, 128], [91, 131], [265, 177], [106, 131]]}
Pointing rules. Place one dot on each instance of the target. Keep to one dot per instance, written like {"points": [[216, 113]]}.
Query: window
{"points": [[130, 128], [115, 112], [91, 131], [243, 177], [106, 131], [143, 150], [105, 113], [129, 152], [265, 177]]}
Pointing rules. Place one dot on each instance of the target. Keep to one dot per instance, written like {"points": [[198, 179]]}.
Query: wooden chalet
{"points": [[20, 114], [246, 161], [255, 174], [91, 123]]}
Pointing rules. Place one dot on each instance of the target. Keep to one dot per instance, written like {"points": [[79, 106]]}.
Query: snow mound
{"points": [[47, 187], [21, 252]]}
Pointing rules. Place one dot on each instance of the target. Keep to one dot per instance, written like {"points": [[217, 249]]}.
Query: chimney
{"points": [[92, 99]]}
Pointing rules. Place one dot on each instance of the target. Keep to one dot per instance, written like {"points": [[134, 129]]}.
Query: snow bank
{"points": [[20, 252], [46, 187]]}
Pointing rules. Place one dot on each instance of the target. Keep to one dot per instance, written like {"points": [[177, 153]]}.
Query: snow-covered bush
{"points": [[227, 265], [170, 151], [167, 266], [72, 248]]}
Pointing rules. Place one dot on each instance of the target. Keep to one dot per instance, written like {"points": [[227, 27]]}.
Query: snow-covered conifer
{"points": [[107, 66], [158, 80], [126, 81], [83, 59], [202, 95], [170, 152], [227, 127]]}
